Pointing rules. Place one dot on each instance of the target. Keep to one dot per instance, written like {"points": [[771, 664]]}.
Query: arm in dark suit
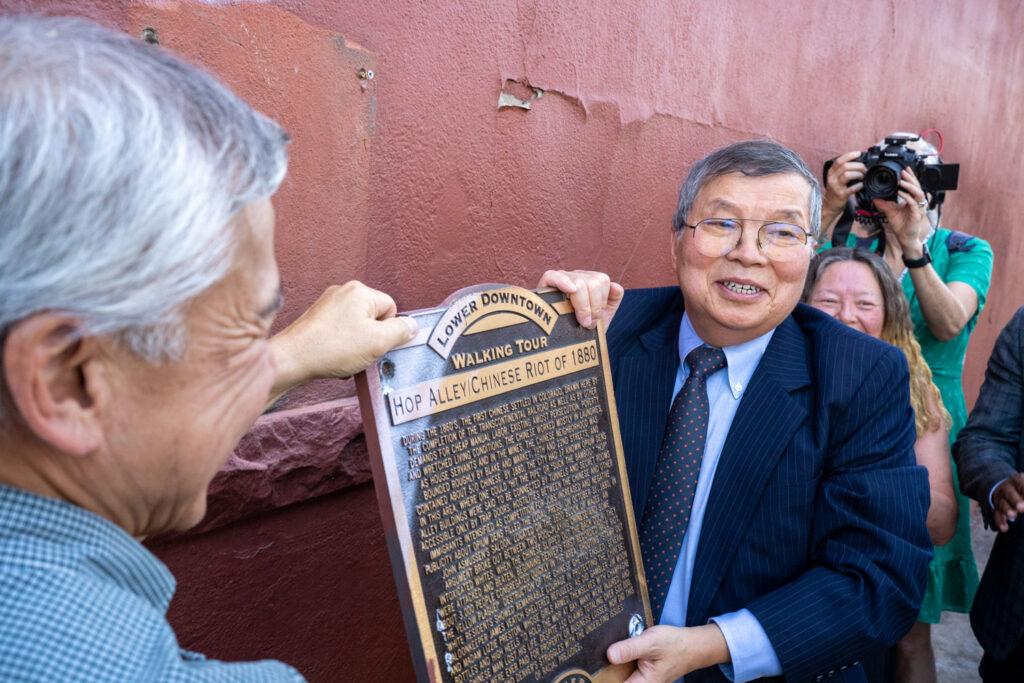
{"points": [[869, 544], [987, 448]]}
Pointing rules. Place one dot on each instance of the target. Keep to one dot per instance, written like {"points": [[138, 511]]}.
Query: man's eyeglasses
{"points": [[778, 241]]}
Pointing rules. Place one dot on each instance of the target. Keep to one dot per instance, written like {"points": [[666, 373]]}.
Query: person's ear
{"points": [[54, 379], [673, 245]]}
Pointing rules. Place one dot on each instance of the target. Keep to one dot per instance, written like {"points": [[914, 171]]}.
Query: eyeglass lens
{"points": [[777, 241]]}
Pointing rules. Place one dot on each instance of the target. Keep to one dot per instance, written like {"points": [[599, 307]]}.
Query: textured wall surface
{"points": [[416, 182], [307, 584], [634, 92], [419, 184]]}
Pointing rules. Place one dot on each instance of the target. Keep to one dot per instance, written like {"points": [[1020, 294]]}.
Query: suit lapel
{"points": [[764, 424], [643, 386]]}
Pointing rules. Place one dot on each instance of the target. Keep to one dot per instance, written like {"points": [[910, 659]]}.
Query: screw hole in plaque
{"points": [[387, 368]]}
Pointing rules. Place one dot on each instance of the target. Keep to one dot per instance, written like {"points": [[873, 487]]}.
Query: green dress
{"points": [[956, 257]]}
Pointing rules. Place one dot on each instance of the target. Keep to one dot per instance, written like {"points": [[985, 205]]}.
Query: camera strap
{"points": [[841, 231]]}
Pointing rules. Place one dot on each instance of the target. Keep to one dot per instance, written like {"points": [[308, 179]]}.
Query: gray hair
{"points": [[120, 168], [751, 158]]}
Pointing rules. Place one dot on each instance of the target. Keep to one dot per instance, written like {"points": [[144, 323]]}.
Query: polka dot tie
{"points": [[675, 478]]}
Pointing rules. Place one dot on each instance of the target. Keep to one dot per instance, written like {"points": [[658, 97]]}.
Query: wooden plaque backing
{"points": [[465, 423]]}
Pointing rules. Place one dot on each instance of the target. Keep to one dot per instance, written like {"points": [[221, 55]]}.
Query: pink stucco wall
{"points": [[634, 92], [417, 183]]}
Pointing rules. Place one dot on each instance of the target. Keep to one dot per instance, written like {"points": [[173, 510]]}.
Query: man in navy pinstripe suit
{"points": [[804, 548]]}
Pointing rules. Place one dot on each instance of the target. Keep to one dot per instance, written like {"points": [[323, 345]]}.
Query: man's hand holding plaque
{"points": [[593, 295], [312, 348], [664, 653]]}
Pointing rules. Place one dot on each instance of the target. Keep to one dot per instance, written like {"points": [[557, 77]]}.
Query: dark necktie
{"points": [[675, 478]]}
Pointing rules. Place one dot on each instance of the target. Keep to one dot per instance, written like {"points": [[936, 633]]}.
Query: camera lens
{"points": [[881, 182]]}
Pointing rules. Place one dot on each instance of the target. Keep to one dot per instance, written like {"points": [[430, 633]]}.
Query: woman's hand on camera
{"points": [[845, 178], [907, 218]]}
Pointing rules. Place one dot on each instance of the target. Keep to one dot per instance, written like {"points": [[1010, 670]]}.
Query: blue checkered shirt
{"points": [[81, 600]]}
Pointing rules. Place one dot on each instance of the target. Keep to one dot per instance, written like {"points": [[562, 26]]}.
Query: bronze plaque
{"points": [[498, 468]]}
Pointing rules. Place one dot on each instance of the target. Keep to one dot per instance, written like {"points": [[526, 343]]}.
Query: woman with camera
{"points": [[945, 276]]}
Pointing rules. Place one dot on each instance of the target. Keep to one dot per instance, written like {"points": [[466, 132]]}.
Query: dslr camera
{"points": [[885, 162]]}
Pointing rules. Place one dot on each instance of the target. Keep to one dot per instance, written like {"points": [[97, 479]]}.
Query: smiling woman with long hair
{"points": [[857, 288]]}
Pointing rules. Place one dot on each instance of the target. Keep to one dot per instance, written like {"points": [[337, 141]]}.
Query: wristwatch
{"points": [[925, 259]]}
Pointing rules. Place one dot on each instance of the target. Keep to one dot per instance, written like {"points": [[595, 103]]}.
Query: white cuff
{"points": [[751, 652], [992, 491]]}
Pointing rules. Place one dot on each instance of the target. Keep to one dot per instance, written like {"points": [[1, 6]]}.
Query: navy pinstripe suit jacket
{"points": [[989, 449], [816, 517]]}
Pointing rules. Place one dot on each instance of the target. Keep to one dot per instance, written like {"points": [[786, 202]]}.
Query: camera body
{"points": [[884, 164]]}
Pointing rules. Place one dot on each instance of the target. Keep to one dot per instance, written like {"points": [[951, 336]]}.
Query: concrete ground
{"points": [[957, 652]]}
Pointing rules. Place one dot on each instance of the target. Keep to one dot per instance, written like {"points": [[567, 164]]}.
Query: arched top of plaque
{"points": [[468, 306]]}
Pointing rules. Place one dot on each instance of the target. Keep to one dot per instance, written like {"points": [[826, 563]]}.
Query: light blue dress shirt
{"points": [[752, 653], [81, 600]]}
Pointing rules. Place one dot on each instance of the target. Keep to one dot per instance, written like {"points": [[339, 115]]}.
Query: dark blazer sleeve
{"points": [[987, 448], [870, 550]]}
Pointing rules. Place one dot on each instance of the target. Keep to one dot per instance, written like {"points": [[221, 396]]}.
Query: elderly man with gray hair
{"points": [[770, 448], [137, 288]]}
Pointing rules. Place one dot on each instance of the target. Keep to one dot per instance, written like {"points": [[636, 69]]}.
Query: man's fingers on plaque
{"points": [[647, 645], [598, 285], [581, 302], [623, 651], [578, 284], [615, 294], [559, 279], [383, 305], [394, 332]]}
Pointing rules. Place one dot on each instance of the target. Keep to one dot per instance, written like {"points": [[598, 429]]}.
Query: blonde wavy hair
{"points": [[929, 412]]}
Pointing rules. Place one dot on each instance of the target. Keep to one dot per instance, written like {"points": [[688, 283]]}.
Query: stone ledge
{"points": [[287, 457]]}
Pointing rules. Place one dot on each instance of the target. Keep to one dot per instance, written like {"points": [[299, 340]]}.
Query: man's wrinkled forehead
{"points": [[724, 207], [774, 195]]}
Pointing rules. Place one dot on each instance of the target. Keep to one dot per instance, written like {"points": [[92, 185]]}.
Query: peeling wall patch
{"points": [[507, 98]]}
